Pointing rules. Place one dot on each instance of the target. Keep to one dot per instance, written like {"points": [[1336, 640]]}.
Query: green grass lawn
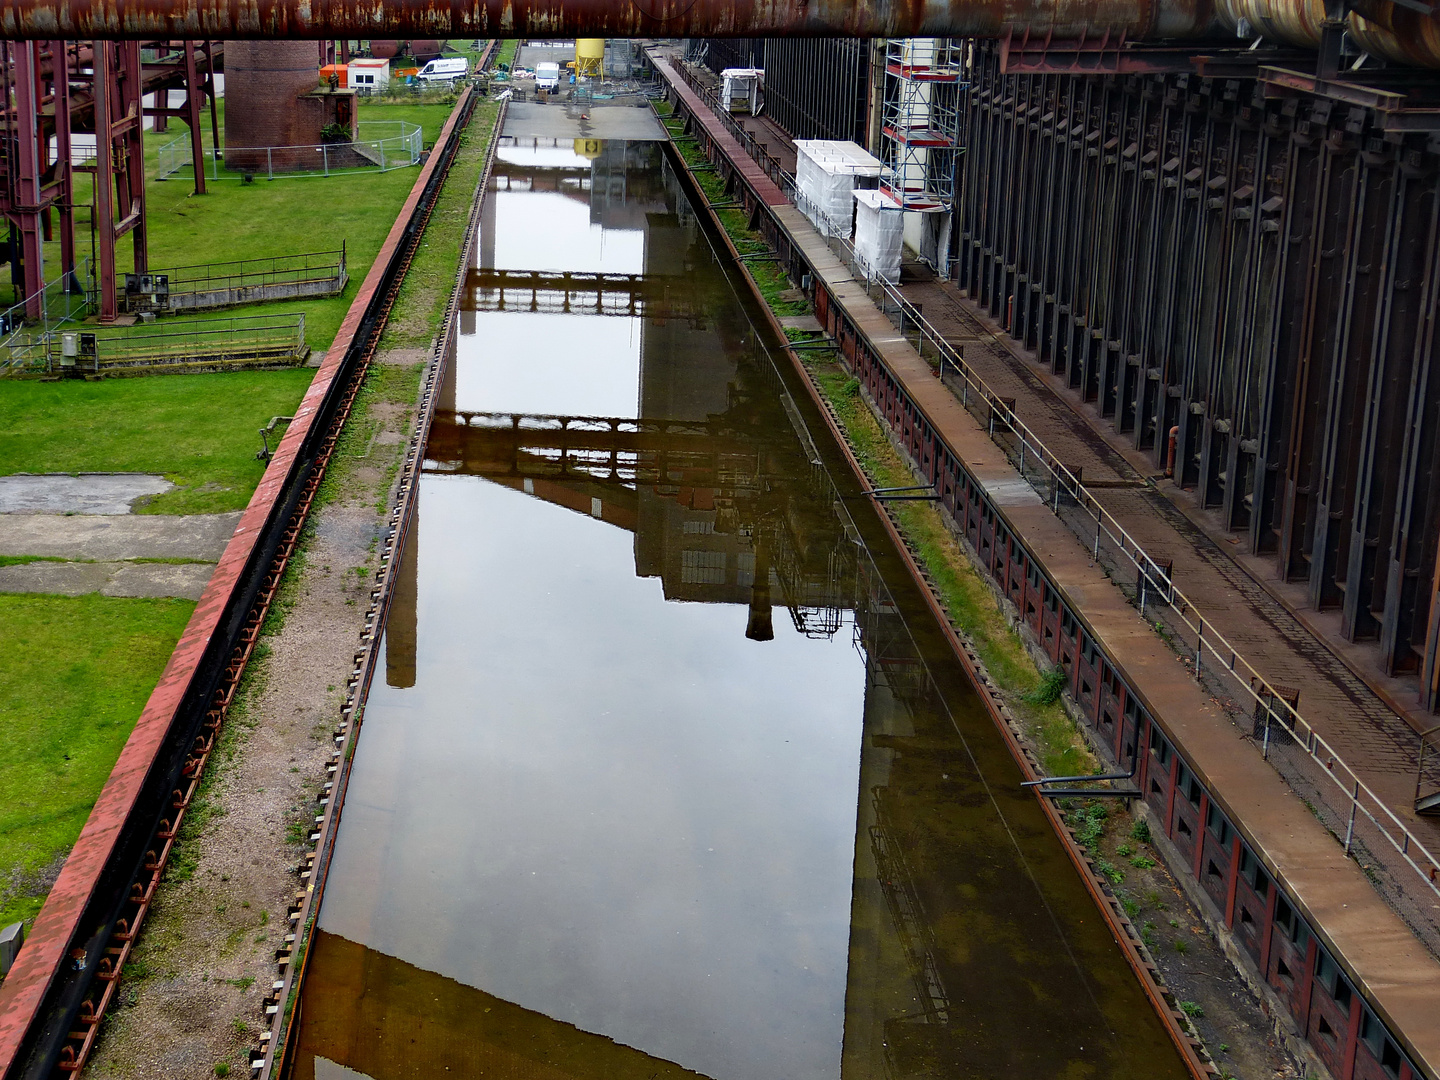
{"points": [[200, 431], [234, 220], [74, 675]]}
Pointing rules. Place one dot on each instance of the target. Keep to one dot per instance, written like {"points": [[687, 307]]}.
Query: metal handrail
{"points": [[262, 271], [1208, 636], [175, 156], [1155, 576]]}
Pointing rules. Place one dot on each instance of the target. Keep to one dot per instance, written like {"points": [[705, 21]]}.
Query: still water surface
{"points": [[670, 774]]}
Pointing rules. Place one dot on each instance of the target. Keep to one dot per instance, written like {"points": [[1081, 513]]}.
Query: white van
{"points": [[547, 76], [445, 70]]}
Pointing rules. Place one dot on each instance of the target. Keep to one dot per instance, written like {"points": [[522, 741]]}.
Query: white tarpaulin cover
{"points": [[740, 89], [879, 234], [826, 172]]}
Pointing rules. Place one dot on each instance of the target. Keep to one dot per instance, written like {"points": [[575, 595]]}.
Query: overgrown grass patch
{"points": [[199, 431], [74, 674], [420, 303], [966, 597]]}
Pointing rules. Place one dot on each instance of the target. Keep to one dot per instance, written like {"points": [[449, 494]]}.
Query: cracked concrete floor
{"points": [[112, 552]]}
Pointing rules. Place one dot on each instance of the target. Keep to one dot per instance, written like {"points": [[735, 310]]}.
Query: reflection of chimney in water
{"points": [[760, 627], [401, 618]]}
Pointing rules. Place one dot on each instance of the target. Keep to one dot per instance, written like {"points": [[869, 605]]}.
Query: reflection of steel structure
{"points": [[745, 505], [912, 925], [883, 639], [634, 295], [643, 451]]}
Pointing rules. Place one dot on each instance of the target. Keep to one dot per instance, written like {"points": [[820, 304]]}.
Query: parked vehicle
{"points": [[547, 76], [451, 69]]}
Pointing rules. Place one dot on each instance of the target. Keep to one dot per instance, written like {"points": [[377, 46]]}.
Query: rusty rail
{"points": [[1403, 31]]}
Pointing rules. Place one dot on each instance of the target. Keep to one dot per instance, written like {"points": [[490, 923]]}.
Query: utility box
{"points": [[147, 292], [11, 938], [826, 172], [369, 75], [879, 234], [741, 90]]}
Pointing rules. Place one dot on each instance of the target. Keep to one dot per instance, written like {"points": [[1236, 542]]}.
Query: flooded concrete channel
{"points": [[672, 773]]}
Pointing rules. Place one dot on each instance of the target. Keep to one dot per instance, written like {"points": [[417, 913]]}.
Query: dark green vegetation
{"points": [[199, 431], [74, 675]]}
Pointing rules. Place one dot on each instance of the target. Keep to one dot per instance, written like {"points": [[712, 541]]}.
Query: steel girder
{"points": [[1254, 266]]}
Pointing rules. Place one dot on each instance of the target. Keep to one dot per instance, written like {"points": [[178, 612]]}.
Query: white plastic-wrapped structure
{"points": [[740, 90], [826, 172], [879, 235]]}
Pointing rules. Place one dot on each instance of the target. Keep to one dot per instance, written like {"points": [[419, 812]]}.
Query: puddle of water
{"points": [[663, 779]]}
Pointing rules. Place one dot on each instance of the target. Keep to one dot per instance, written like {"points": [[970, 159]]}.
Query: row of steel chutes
{"points": [[1248, 275]]}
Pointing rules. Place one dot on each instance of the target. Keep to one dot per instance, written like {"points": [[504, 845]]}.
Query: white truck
{"points": [[547, 76], [449, 69]]}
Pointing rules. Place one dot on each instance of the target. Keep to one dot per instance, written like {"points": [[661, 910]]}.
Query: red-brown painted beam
{"points": [[610, 18]]}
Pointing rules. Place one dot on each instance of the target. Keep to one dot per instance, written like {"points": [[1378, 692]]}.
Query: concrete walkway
{"points": [[87, 493], [98, 553], [1376, 736]]}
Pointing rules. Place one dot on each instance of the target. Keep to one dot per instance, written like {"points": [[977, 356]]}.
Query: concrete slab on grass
{"points": [[186, 580], [88, 493], [99, 536]]}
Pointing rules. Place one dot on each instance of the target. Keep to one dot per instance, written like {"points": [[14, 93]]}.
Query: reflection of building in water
{"points": [[385, 1019], [958, 965], [717, 480]]}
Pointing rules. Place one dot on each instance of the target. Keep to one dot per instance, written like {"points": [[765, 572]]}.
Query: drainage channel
{"points": [[672, 771]]}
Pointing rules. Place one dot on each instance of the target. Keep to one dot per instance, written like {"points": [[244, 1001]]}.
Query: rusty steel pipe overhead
{"points": [[237, 19], [1386, 29]]}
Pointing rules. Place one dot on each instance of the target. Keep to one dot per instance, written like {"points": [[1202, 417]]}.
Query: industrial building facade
{"points": [[1237, 271]]}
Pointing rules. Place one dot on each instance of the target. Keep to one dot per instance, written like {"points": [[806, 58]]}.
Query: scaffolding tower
{"points": [[920, 122]]}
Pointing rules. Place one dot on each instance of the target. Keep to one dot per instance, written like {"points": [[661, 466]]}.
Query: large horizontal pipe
{"points": [[149, 19], [1396, 30]]}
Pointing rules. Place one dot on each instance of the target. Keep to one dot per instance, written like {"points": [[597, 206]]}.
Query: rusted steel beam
{"points": [[611, 18]]}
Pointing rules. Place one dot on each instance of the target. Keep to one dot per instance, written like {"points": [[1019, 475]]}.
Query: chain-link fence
{"points": [[25, 326]]}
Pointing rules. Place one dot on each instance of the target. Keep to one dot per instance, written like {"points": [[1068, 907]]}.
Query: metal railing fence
{"points": [[380, 145], [1331, 788], [62, 302], [199, 341], [256, 273]]}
